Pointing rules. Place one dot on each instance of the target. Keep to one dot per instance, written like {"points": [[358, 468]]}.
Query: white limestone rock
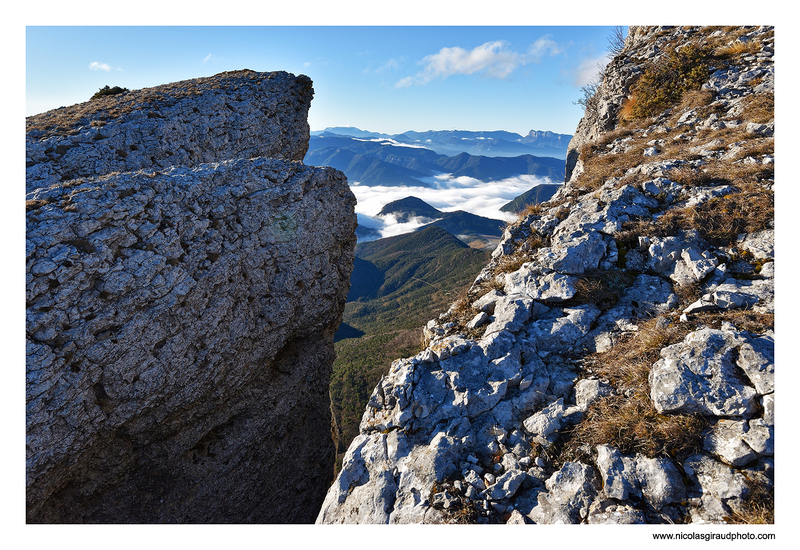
{"points": [[587, 391], [660, 480], [682, 261], [618, 472], [726, 441], [528, 281], [611, 512], [760, 244], [570, 491], [698, 376], [719, 488]]}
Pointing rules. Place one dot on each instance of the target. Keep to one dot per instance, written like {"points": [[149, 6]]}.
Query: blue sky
{"points": [[380, 78]]}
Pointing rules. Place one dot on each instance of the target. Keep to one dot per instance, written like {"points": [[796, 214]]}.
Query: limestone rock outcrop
{"points": [[238, 114], [185, 276], [614, 362]]}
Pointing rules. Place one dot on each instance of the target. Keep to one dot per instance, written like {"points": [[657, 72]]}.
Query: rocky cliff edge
{"points": [[185, 276], [614, 363]]}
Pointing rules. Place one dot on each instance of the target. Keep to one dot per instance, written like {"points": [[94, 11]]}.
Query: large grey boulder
{"points": [[178, 305], [180, 317]]}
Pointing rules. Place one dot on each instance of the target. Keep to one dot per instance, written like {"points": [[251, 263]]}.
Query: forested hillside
{"points": [[398, 283]]}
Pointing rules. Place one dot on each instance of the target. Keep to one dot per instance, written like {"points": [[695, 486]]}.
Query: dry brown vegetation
{"points": [[759, 506], [600, 287], [720, 220], [628, 420]]}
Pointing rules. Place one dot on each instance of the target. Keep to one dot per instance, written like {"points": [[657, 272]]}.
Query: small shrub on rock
{"points": [[106, 90], [663, 83]]}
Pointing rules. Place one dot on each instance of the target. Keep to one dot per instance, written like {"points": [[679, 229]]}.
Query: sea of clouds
{"points": [[448, 194]]}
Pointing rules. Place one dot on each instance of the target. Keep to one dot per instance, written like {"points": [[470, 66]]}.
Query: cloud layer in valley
{"points": [[447, 194]]}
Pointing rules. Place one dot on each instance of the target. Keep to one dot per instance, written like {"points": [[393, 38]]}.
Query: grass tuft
{"points": [[628, 420]]}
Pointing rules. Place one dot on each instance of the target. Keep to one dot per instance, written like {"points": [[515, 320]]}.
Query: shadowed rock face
{"points": [[180, 328]]}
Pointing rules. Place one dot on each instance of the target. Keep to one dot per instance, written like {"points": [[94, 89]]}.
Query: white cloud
{"points": [[390, 141], [391, 65], [492, 59], [97, 66], [319, 62], [590, 69], [544, 46], [446, 193], [207, 58]]}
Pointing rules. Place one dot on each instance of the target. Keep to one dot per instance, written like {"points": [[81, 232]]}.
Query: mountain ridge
{"points": [[378, 163], [452, 142]]}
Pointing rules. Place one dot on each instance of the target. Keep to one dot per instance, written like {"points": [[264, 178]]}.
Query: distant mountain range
{"points": [[383, 161], [452, 142]]}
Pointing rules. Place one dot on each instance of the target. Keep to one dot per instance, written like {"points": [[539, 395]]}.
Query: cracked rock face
{"points": [[180, 322]]}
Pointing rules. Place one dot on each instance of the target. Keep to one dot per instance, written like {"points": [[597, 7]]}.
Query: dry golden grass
{"points": [[759, 108], [35, 204], [599, 168], [720, 220], [738, 48], [687, 294], [689, 176], [695, 99], [628, 420], [530, 209], [759, 506], [756, 323], [511, 262], [601, 287]]}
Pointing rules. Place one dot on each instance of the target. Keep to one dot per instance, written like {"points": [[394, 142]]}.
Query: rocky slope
{"points": [[614, 362], [185, 277]]}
